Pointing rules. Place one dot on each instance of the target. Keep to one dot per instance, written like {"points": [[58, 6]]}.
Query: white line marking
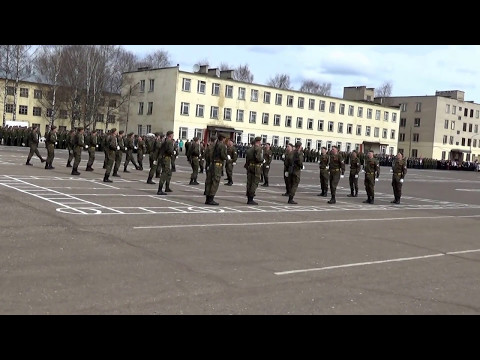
{"points": [[374, 262]]}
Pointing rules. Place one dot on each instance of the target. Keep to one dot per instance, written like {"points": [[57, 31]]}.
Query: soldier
{"points": [[216, 156], [140, 152], [92, 145], [193, 154], [106, 150], [166, 176], [336, 168], [372, 173], [154, 156], [324, 175], [201, 158], [111, 146], [129, 147], [295, 166], [231, 161], [285, 157], [34, 139], [207, 155], [355, 167], [50, 142], [174, 155], [119, 153], [70, 146], [78, 145], [253, 163], [268, 156], [399, 169]]}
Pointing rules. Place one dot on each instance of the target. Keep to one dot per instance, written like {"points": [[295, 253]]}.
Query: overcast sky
{"points": [[413, 70]]}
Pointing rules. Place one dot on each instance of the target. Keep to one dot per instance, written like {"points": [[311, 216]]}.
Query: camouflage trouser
{"points": [[334, 178], [166, 175], [265, 172], [50, 153], [118, 160], [129, 158], [140, 159], [254, 173], [77, 155], [71, 154], [91, 155], [397, 187], [195, 164], [214, 174], [287, 182], [294, 180], [370, 184], [353, 182], [110, 161], [229, 170], [33, 150], [324, 177]]}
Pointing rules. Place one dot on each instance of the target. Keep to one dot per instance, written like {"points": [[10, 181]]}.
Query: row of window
{"points": [[465, 111], [464, 142], [290, 99], [63, 114]]}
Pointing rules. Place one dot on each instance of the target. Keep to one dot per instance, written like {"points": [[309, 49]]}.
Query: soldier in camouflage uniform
{"points": [[78, 145], [140, 151], [268, 156], [50, 142], [336, 168], [130, 146], [355, 168], [324, 175], [69, 142], [92, 145], [286, 161], [253, 163], [165, 158], [193, 154], [214, 159], [399, 169], [295, 165], [119, 153], [372, 173], [154, 156], [34, 139], [231, 161], [111, 146]]}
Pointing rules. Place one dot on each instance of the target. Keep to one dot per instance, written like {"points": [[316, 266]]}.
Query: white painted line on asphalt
{"points": [[375, 262]]}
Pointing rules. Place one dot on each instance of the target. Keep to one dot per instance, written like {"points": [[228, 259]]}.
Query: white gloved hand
{"points": [[286, 174], [303, 167], [135, 147], [125, 149], [155, 162], [318, 161], [86, 146], [327, 167], [283, 156], [234, 163], [264, 161], [363, 170], [391, 170], [376, 179], [118, 147], [401, 180], [56, 142], [229, 157], [143, 156], [23, 144], [342, 176], [268, 166], [174, 152], [356, 176], [96, 146]]}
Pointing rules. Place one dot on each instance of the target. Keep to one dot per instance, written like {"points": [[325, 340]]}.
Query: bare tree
{"points": [[157, 59], [280, 81], [6, 70], [314, 87], [385, 90], [243, 73]]}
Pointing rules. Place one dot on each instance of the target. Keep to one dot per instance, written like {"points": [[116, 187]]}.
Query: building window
{"points": [[445, 139], [254, 95], [278, 99], [384, 133], [311, 104], [319, 144], [309, 124], [477, 114], [349, 129], [416, 122], [414, 153], [385, 116], [150, 108], [394, 117], [418, 107], [186, 84], [369, 113], [289, 100], [445, 125], [359, 130], [376, 132], [142, 86], [403, 122], [140, 130], [240, 114], [229, 91], [452, 124], [182, 133], [265, 117], [201, 86], [100, 118], [451, 140], [276, 120], [329, 145], [321, 105], [464, 126], [216, 89], [301, 102], [112, 103], [24, 92], [151, 87], [200, 111], [49, 113], [266, 97], [10, 90], [227, 114], [351, 110], [320, 125], [340, 128], [275, 140], [111, 119], [360, 112], [339, 145], [37, 94], [447, 109], [330, 126], [37, 111], [184, 108], [149, 129], [470, 127], [377, 114], [198, 133], [140, 108], [214, 112], [403, 107], [286, 141], [241, 93], [23, 110], [341, 109], [250, 138], [299, 122], [348, 147], [252, 119], [332, 107], [367, 130], [476, 129], [63, 114], [288, 121], [401, 137], [392, 135], [416, 137]]}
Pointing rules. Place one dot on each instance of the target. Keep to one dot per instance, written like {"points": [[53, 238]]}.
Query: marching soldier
{"points": [[129, 146], [119, 153], [193, 154], [324, 175], [268, 156], [174, 155], [34, 139], [217, 154], [111, 146], [231, 161], [286, 161], [50, 142], [372, 173], [253, 164], [295, 166], [336, 168], [165, 157], [355, 167], [201, 157], [399, 168], [140, 151], [92, 145], [78, 145], [69, 142]]}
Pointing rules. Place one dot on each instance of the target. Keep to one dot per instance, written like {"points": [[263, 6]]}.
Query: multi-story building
{"points": [[442, 127], [208, 101], [34, 108]]}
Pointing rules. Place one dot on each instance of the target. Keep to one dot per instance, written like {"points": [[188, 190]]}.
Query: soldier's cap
{"points": [[221, 137], [195, 139], [80, 128], [112, 130], [169, 132], [121, 132], [267, 144], [158, 133], [258, 138], [298, 144], [290, 144]]}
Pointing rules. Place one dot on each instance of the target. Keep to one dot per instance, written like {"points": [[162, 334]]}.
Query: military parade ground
{"points": [[78, 245]]}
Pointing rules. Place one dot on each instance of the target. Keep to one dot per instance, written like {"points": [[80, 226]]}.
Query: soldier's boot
{"points": [[115, 174], [394, 201], [125, 169], [47, 166], [160, 192], [167, 187], [352, 194], [104, 165], [75, 172], [140, 165], [332, 200], [195, 182], [51, 167], [28, 163], [106, 178], [191, 181], [69, 164], [251, 201], [321, 194], [201, 171], [368, 200], [42, 160], [291, 201], [157, 175], [212, 201], [88, 168], [149, 181], [356, 193], [398, 200], [371, 200]]}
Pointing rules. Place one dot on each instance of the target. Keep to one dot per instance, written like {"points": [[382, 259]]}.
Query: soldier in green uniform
{"points": [[193, 154], [140, 151], [174, 155], [154, 156], [253, 163], [336, 168], [111, 145], [201, 158], [286, 161], [78, 145], [119, 153], [355, 168], [268, 156], [129, 146], [69, 143], [324, 175], [50, 142], [92, 145], [208, 154], [295, 166], [399, 169], [231, 161], [217, 155], [372, 173], [34, 139], [166, 162]]}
